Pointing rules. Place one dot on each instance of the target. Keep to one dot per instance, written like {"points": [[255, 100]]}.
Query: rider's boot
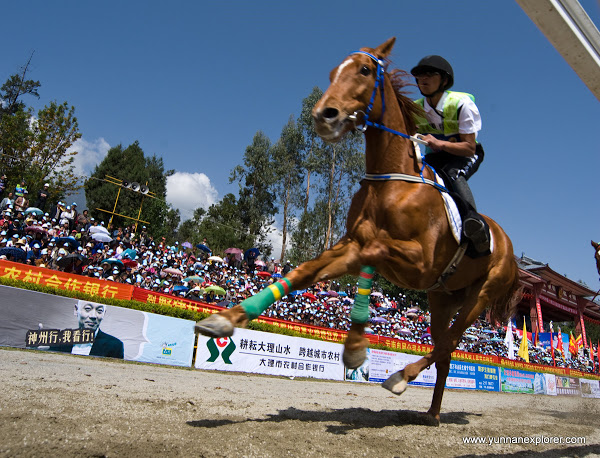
{"points": [[473, 226]]}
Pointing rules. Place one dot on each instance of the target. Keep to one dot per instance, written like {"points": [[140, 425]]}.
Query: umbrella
{"points": [[186, 245], [72, 259], [129, 263], [204, 248], [413, 310], [342, 293], [379, 319], [34, 210], [310, 296], [276, 275], [216, 289], [101, 237], [39, 229], [252, 251], [412, 315], [215, 259], [96, 229], [178, 288], [13, 252], [129, 253], [425, 335], [113, 262], [195, 278], [233, 251], [259, 263], [74, 244], [172, 271], [376, 293], [333, 299], [332, 293], [264, 274], [489, 331], [405, 332]]}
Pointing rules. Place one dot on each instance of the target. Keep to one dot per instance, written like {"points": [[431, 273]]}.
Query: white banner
{"points": [[380, 364], [273, 354], [589, 388]]}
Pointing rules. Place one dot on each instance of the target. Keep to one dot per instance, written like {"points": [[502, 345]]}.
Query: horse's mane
{"points": [[409, 109]]}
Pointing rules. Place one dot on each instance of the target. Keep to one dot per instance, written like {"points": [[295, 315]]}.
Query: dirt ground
{"points": [[63, 405]]}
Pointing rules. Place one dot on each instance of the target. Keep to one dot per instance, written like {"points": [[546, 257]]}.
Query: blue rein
{"points": [[379, 83]]}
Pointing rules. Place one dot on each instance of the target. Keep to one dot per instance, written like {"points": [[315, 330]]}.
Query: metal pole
{"points": [[115, 207]]}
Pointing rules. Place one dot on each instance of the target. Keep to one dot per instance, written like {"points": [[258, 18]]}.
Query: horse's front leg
{"points": [[341, 259]]}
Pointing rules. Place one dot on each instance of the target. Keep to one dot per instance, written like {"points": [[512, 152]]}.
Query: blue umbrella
{"points": [[178, 288], [129, 253], [254, 251], [13, 252], [204, 248], [112, 261], [277, 275], [59, 241], [34, 210]]}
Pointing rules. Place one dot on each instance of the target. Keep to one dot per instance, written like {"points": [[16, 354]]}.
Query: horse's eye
{"points": [[365, 71]]}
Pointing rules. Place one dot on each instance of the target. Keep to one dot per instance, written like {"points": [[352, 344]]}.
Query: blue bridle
{"points": [[379, 84]]}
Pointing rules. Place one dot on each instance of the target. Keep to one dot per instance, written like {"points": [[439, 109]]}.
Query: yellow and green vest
{"points": [[450, 118]]}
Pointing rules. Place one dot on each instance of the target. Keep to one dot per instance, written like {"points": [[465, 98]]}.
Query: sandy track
{"points": [[63, 405]]}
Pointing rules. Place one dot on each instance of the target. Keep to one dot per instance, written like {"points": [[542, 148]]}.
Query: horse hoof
{"points": [[354, 359], [430, 419], [214, 326], [396, 383]]}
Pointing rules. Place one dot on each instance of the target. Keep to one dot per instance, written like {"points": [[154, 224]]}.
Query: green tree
{"points": [[287, 164], [312, 142], [223, 226], [36, 148], [256, 202], [131, 165]]}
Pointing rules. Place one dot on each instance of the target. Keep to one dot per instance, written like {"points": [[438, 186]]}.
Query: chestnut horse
{"points": [[397, 227]]}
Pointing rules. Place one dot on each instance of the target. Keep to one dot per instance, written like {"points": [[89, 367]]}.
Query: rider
{"points": [[450, 128]]}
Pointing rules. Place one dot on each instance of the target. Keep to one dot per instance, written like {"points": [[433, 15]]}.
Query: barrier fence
{"points": [[30, 319], [109, 289]]}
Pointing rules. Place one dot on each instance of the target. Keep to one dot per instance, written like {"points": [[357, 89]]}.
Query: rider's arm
{"points": [[465, 147]]}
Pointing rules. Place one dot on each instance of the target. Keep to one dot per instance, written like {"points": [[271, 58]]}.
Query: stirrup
{"points": [[474, 230]]}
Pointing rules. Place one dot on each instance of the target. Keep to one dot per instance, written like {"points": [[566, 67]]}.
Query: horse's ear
{"points": [[384, 49], [595, 245]]}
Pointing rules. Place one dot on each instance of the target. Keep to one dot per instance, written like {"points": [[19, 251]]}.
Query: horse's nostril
{"points": [[330, 113]]}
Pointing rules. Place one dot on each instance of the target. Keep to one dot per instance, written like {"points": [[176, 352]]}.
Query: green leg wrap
{"points": [[360, 309], [255, 305]]}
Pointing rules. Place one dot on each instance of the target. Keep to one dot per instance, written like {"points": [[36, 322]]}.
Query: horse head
{"points": [[352, 85], [597, 255]]}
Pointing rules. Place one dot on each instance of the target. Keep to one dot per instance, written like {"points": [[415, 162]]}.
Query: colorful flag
{"points": [[592, 355], [573, 347], [524, 348], [509, 341], [559, 344], [579, 342], [552, 344]]}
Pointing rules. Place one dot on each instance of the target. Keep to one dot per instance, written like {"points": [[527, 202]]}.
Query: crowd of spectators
{"points": [[65, 240]]}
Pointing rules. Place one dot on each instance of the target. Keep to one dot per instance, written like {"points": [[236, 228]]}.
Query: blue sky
{"points": [[193, 82]]}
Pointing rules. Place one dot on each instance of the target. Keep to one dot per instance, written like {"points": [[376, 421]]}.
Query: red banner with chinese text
{"points": [[70, 282], [152, 297]]}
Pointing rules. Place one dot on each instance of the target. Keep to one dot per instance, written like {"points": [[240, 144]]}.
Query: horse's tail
{"points": [[504, 306]]}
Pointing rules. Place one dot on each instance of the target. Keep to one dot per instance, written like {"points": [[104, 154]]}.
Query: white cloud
{"points": [[90, 154], [189, 191]]}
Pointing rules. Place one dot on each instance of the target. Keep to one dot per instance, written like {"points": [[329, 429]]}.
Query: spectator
{"points": [[42, 197]]}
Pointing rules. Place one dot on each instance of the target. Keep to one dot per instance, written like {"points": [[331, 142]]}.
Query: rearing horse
{"points": [[397, 227]]}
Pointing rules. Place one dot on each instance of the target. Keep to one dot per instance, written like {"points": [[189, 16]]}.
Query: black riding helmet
{"points": [[435, 63]]}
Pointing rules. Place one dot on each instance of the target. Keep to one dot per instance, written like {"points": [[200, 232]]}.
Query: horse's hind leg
{"points": [[341, 259]]}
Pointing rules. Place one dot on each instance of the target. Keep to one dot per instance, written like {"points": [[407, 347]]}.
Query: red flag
{"points": [[552, 347], [573, 348], [592, 355], [559, 344]]}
